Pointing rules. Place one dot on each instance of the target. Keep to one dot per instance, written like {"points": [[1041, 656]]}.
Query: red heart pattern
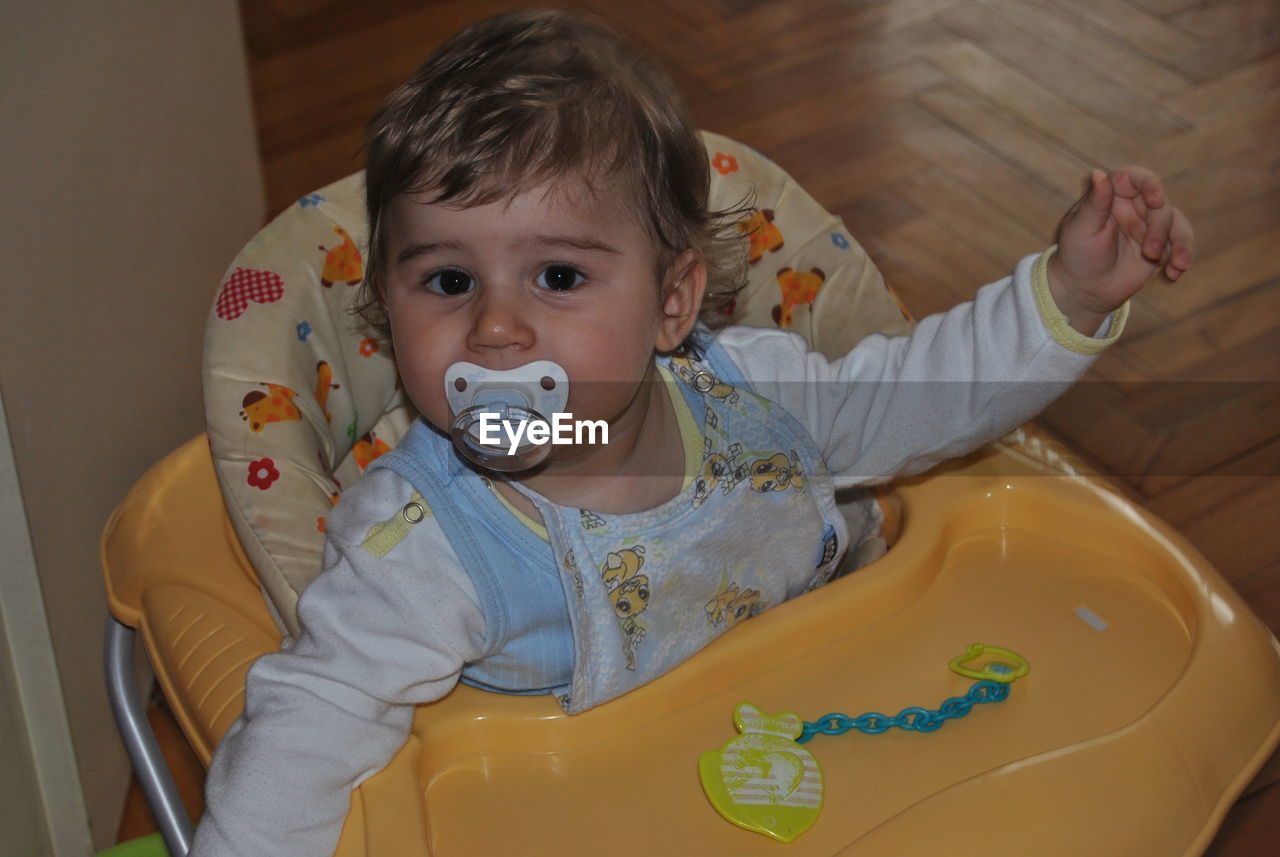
{"points": [[244, 285]]}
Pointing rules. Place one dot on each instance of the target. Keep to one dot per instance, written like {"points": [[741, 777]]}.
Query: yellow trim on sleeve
{"points": [[386, 535], [1059, 328]]}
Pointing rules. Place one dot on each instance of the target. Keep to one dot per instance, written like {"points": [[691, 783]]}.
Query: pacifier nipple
{"points": [[494, 410]]}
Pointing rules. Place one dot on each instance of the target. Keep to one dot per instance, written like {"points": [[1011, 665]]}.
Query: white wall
{"points": [[131, 178], [35, 743]]}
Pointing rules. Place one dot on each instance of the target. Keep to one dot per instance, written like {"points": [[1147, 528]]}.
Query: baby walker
{"points": [[1118, 700]]}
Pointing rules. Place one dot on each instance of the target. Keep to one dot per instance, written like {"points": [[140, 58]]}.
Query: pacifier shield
{"points": [[494, 408]]}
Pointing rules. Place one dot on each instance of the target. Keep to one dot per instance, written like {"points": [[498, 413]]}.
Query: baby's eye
{"points": [[560, 278], [449, 281]]}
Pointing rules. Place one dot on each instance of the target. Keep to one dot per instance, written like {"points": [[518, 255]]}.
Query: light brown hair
{"points": [[533, 96]]}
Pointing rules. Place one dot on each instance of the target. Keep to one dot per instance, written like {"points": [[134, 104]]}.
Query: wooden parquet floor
{"points": [[951, 135]]}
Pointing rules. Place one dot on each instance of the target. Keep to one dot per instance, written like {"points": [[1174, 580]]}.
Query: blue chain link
{"points": [[913, 719]]}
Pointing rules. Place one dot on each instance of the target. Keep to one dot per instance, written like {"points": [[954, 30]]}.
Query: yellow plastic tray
{"points": [[1154, 695]]}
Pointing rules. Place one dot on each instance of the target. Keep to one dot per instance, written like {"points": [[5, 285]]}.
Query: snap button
{"points": [[703, 382], [413, 512]]}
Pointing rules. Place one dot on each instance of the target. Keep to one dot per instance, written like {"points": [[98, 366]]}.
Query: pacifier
{"points": [[494, 408]]}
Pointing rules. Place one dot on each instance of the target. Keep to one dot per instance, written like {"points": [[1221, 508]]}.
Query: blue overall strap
{"points": [[411, 459], [715, 358], [528, 645]]}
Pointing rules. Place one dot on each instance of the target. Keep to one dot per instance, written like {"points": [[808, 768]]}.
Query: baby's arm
{"points": [[896, 406], [380, 634], [899, 405]]}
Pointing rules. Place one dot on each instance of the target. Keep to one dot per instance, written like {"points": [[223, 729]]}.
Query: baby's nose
{"points": [[500, 324]]}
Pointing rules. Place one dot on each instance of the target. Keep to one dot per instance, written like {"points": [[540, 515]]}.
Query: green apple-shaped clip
{"points": [[991, 663], [762, 780]]}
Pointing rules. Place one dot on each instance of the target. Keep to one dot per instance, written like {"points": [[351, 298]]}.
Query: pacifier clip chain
{"points": [[764, 781]]}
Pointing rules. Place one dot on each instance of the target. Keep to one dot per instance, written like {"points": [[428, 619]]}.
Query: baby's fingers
{"points": [[1181, 249], [1159, 228], [1152, 218], [1139, 183]]}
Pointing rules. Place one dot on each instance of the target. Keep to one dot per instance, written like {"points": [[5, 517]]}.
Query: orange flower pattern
{"points": [[724, 163]]}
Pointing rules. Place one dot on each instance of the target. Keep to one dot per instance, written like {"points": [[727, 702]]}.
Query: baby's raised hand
{"points": [[1110, 243]]}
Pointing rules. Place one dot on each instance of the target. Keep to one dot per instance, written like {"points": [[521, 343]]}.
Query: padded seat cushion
{"points": [[300, 396]]}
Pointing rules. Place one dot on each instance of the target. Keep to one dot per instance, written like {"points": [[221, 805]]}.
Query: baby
{"points": [[538, 198]]}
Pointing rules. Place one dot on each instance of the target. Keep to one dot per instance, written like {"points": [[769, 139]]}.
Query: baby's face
{"points": [[567, 276]]}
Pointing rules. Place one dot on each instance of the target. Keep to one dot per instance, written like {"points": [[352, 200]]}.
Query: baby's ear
{"points": [[682, 291]]}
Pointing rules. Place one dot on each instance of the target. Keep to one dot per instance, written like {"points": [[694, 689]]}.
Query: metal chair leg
{"points": [[144, 751]]}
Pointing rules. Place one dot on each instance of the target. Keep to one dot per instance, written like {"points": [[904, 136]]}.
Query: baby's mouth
{"points": [[495, 409]]}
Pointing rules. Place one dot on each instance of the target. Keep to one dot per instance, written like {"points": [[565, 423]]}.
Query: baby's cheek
{"points": [[625, 358], [425, 391]]}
